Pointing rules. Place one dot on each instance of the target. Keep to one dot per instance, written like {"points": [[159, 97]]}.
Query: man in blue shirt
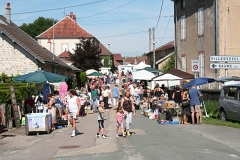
{"points": [[194, 95]]}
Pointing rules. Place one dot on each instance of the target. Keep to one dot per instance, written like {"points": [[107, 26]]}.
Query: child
{"points": [[101, 119], [119, 119]]}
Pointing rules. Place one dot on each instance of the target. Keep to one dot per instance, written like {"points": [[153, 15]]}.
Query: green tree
{"points": [[86, 55], [144, 54], [38, 26], [169, 64]]}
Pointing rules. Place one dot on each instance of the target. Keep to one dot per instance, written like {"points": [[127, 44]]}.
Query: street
{"points": [[149, 140]]}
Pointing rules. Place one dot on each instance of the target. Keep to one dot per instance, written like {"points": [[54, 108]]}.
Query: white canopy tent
{"points": [[143, 75], [141, 65], [165, 78]]}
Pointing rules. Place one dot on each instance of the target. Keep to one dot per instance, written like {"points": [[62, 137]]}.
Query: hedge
{"points": [[212, 108]]}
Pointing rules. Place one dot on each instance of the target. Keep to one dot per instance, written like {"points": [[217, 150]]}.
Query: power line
{"points": [[165, 31], [47, 10], [107, 10], [122, 34], [159, 15]]}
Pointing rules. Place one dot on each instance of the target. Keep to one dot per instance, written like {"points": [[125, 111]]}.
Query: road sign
{"points": [[224, 58], [224, 66], [195, 66]]}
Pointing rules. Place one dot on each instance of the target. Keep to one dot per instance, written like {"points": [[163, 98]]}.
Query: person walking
{"points": [[101, 119], [73, 110], [105, 94], [194, 95], [115, 95], [119, 119], [129, 111], [94, 95], [177, 97]]}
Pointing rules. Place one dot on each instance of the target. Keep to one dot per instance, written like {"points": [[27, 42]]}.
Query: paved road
{"points": [[149, 141]]}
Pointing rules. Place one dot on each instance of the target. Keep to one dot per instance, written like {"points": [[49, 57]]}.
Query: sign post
{"points": [[195, 67], [225, 65]]}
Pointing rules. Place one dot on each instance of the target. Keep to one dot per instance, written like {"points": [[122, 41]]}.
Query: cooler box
{"points": [[38, 122]]}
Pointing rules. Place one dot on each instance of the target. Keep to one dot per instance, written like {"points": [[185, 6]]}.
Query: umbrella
{"points": [[89, 71], [95, 74], [198, 82], [149, 69], [40, 76]]}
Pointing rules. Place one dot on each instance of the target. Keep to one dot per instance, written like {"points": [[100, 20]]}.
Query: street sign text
{"points": [[224, 58], [224, 66]]}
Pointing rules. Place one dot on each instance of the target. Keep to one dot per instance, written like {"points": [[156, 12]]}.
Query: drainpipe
{"points": [[216, 34], [176, 34]]}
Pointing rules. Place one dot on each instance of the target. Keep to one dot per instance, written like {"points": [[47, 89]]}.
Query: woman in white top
{"points": [[73, 110]]}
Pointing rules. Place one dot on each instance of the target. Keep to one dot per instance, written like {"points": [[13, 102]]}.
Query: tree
{"points": [[144, 54], [169, 64], [38, 26], [86, 55]]}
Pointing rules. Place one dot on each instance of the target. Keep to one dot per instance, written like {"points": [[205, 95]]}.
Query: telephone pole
{"points": [[153, 31], [150, 40]]}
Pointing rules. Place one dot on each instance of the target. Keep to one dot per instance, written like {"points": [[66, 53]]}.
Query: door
{"points": [[230, 103]]}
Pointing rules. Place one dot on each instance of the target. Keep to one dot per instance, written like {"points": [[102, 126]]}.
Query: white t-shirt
{"points": [[105, 93], [132, 90], [73, 106]]}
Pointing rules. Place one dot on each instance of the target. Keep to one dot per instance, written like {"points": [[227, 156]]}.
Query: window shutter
{"points": [[200, 21], [183, 27], [201, 59], [184, 64]]}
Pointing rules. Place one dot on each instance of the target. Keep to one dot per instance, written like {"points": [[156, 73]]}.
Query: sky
{"points": [[120, 25]]}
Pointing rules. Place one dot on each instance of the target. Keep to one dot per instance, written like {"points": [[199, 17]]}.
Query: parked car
{"points": [[229, 102]]}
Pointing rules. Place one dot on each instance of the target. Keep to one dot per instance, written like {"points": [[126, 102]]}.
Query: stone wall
{"points": [[13, 61], [210, 94]]}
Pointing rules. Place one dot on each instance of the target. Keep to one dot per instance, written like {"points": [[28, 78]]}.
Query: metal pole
{"points": [[195, 75], [53, 41], [153, 30], [109, 54], [150, 40]]}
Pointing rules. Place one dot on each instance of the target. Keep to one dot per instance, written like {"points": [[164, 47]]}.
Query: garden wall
{"points": [[210, 94]]}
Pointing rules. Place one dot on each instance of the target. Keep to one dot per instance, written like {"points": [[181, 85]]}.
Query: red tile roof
{"points": [[105, 51], [65, 54], [117, 57], [116, 63], [67, 27], [131, 60], [166, 46]]}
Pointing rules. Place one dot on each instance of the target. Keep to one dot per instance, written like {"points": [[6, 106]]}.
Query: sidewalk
{"points": [[19, 146]]}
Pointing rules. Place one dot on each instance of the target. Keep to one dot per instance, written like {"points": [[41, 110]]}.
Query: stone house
{"points": [[162, 54], [205, 28], [21, 54]]}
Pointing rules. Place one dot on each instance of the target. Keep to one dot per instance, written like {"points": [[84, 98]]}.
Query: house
{"points": [[134, 60], [205, 28], [21, 54], [162, 54], [118, 59], [65, 35]]}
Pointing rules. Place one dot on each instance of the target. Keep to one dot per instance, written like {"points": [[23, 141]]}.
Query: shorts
{"points": [[73, 115], [195, 108], [119, 124], [101, 123]]}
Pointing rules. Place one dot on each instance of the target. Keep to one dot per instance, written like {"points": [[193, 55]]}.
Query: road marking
{"points": [[233, 155]]}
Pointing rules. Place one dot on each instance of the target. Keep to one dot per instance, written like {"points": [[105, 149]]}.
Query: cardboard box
{"points": [[165, 105]]}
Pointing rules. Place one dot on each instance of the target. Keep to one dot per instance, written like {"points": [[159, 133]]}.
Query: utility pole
{"points": [[153, 31], [150, 40], [53, 42]]}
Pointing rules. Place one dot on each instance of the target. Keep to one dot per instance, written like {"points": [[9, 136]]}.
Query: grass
{"points": [[219, 122]]}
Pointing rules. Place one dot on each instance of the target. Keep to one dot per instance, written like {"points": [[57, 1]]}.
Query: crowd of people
{"points": [[122, 98]]}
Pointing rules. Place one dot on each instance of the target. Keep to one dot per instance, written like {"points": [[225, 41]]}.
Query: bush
{"points": [[212, 108]]}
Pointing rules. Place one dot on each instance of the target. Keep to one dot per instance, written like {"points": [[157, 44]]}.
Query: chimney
{"points": [[135, 62], [73, 16], [8, 13]]}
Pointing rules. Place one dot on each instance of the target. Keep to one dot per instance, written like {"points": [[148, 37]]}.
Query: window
{"points": [[184, 64], [229, 92], [183, 4], [201, 60], [200, 21], [183, 27]]}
